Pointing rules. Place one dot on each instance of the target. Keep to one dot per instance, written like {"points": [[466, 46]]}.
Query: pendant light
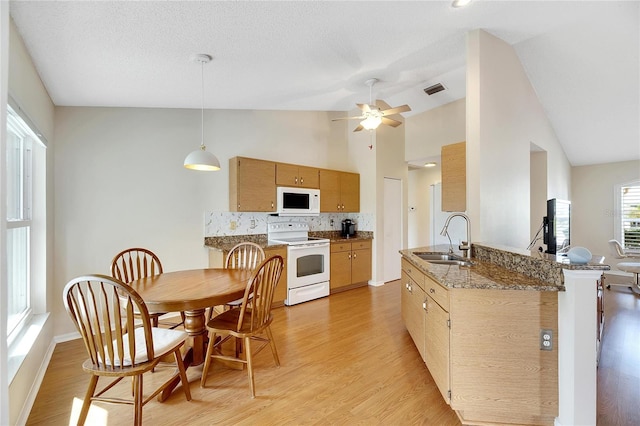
{"points": [[201, 159]]}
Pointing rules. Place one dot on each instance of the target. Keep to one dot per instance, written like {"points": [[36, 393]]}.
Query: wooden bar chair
{"points": [[116, 348], [250, 322], [135, 263]]}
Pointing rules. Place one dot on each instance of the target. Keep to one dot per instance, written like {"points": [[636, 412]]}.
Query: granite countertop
{"points": [[500, 268], [225, 243]]}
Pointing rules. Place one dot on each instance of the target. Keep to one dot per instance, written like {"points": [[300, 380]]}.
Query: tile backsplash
{"points": [[218, 224]]}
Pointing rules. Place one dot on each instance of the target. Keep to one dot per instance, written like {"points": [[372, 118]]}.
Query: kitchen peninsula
{"points": [[491, 334]]}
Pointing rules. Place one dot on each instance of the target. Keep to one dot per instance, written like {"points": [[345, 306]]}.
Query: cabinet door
{"points": [[340, 268], [253, 188], [413, 312], [280, 293], [309, 177], [437, 346], [349, 192], [360, 264], [286, 174], [454, 177], [329, 191]]}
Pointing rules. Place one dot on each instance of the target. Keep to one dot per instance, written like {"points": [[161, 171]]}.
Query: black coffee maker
{"points": [[348, 228]]}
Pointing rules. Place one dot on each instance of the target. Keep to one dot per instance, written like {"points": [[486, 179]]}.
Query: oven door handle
{"points": [[307, 246]]}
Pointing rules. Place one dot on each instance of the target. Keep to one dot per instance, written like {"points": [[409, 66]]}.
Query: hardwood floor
{"points": [[345, 359]]}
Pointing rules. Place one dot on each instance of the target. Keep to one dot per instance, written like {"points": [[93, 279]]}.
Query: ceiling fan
{"points": [[372, 116]]}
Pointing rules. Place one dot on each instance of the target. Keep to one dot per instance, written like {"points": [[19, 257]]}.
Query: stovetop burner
{"points": [[291, 233]]}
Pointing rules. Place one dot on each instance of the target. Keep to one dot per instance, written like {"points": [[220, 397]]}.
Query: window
{"points": [[628, 229], [23, 147]]}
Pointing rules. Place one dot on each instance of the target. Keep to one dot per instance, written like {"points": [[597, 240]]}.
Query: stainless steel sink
{"points": [[443, 258]]}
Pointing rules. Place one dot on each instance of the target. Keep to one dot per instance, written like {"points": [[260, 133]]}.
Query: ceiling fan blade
{"points": [[364, 107], [382, 104], [348, 118], [396, 110], [357, 129], [391, 122]]}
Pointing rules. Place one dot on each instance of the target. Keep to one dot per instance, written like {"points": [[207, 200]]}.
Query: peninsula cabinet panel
{"points": [[454, 177], [252, 185], [436, 345], [498, 372], [339, 191], [294, 175]]}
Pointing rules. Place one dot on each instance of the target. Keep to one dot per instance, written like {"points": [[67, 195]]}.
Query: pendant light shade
{"points": [[201, 159]]}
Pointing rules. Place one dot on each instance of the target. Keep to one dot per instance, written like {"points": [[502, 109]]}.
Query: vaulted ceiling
{"points": [[582, 58]]}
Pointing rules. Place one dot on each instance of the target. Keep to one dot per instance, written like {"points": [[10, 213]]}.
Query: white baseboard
{"points": [[35, 387], [375, 283]]}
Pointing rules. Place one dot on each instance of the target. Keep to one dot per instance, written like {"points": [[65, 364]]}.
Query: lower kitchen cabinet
{"points": [[350, 264], [424, 305], [412, 300], [217, 257], [437, 337], [280, 293]]}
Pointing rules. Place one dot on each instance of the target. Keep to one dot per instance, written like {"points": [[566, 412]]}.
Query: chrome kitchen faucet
{"points": [[465, 246]]}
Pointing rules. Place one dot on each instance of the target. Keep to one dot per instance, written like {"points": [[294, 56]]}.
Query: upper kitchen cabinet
{"points": [[252, 185], [454, 177], [294, 175], [339, 191]]}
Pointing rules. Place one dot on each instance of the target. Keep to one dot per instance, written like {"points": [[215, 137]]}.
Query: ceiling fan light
{"points": [[371, 122], [202, 160]]}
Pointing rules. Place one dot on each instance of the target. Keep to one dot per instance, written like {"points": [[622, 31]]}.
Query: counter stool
{"points": [[630, 267]]}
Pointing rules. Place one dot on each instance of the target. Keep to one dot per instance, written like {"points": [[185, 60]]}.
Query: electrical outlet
{"points": [[546, 340], [232, 225], [331, 223], [253, 223]]}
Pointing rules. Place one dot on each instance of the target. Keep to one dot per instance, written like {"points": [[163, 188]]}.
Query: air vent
{"points": [[434, 89]]}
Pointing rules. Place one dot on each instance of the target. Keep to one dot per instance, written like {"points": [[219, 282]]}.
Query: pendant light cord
{"points": [[202, 104]]}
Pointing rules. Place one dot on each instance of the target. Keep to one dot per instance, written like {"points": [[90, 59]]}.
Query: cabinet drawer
{"points": [[336, 247], [415, 274], [358, 245], [437, 292]]}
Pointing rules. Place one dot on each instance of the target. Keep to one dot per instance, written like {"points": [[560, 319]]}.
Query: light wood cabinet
{"points": [[437, 336], [454, 177], [424, 307], [217, 257], [340, 191], [350, 265], [413, 306], [281, 289], [252, 185], [294, 175]]}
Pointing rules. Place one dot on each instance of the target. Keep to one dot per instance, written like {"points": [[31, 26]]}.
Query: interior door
{"points": [[392, 228]]}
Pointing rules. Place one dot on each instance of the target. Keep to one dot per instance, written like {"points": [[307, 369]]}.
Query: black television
{"points": [[557, 226]]}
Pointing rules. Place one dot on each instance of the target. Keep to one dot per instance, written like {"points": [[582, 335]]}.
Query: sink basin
{"points": [[443, 258]]}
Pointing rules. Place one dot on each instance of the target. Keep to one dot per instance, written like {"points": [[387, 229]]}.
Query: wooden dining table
{"points": [[191, 292]]}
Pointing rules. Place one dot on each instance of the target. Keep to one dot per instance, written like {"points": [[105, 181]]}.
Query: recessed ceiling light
{"points": [[431, 164], [460, 3]]}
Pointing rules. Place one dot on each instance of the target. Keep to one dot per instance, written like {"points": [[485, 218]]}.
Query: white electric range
{"points": [[307, 261]]}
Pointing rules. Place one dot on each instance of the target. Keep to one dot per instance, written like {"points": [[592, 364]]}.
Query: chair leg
{"points": [[272, 343], [183, 374], [207, 358], [247, 351], [137, 416], [93, 382]]}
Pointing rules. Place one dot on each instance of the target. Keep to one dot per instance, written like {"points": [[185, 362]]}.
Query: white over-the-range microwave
{"points": [[298, 201]]}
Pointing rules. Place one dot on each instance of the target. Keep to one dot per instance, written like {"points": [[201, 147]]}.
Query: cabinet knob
{"points": [[355, 255], [301, 180], [296, 179], [349, 255], [407, 286], [272, 204], [432, 290], [424, 305]]}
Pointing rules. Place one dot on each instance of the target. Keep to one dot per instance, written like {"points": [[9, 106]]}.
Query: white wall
{"points": [[26, 88], [504, 117], [427, 132], [592, 204], [120, 180]]}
